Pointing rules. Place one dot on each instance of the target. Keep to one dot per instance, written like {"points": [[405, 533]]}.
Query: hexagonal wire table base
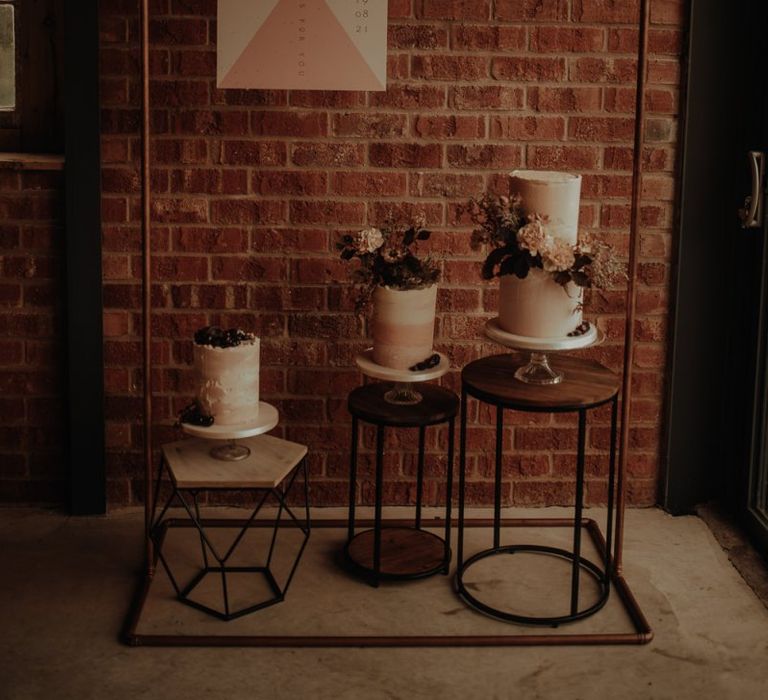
{"points": [[277, 484]]}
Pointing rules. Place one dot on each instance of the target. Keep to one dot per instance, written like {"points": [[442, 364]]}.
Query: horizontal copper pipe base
{"points": [[642, 633]]}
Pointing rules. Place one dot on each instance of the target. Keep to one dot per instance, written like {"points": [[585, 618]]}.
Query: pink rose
{"points": [[369, 240], [557, 255], [531, 237]]}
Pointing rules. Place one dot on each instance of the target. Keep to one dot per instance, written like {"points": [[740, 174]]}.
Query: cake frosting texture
{"points": [[552, 194], [537, 306], [228, 382], [403, 326]]}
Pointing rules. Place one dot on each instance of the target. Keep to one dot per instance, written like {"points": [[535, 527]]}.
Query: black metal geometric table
{"points": [[586, 386], [399, 552], [269, 471]]}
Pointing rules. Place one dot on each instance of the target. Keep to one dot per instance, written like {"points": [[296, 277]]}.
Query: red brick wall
{"points": [[253, 187], [32, 340]]}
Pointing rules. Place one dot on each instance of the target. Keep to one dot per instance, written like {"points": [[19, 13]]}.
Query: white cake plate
{"points": [[538, 369], [523, 342], [232, 452], [402, 393]]}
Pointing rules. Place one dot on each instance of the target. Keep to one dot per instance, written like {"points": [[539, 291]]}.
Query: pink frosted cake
{"points": [[537, 306], [227, 375], [403, 326]]}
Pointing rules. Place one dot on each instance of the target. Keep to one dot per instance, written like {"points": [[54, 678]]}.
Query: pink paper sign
{"points": [[302, 44]]}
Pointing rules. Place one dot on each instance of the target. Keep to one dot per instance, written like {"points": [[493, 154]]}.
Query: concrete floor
{"points": [[67, 583]]}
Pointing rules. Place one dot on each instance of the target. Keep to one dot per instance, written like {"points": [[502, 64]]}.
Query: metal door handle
{"points": [[752, 214]]}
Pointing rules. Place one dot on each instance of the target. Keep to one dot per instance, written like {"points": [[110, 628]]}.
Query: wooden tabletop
{"points": [[586, 383], [271, 460], [437, 406]]}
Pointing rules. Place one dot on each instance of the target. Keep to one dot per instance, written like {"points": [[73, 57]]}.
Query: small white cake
{"points": [[537, 306], [403, 326], [227, 376]]}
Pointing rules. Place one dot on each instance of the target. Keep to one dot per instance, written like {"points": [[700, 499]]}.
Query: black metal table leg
{"points": [[578, 513], [306, 528], [462, 478], [202, 540], [352, 482], [156, 498], [449, 494], [608, 559], [497, 477], [377, 505], [420, 477]]}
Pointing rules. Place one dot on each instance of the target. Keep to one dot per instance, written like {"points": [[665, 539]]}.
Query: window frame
{"points": [[36, 125], [13, 6], [10, 127]]}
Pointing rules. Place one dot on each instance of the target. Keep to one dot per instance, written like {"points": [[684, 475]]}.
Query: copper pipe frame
{"points": [[642, 633], [634, 253], [146, 254]]}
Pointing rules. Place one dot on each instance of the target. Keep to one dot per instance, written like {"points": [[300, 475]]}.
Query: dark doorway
{"points": [[32, 113], [717, 404], [745, 464]]}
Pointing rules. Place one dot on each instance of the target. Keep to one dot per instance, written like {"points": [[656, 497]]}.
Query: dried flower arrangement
{"points": [[389, 258], [519, 242]]}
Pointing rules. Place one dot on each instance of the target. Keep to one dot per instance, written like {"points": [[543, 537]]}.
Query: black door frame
{"points": [[695, 388], [82, 175]]}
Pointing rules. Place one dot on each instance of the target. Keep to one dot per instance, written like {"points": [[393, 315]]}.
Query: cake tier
{"points": [[403, 326], [228, 382], [537, 306], [551, 194]]}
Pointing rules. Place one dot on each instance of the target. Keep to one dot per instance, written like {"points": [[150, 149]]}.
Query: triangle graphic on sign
{"points": [[301, 45], [238, 21]]}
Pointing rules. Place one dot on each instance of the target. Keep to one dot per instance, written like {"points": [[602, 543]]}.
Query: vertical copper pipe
{"points": [[634, 251], [146, 253]]}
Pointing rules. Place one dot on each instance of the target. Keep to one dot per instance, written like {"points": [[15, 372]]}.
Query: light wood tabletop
{"points": [[271, 460]]}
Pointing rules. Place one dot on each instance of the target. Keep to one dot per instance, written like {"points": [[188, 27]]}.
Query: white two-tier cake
{"points": [[537, 306]]}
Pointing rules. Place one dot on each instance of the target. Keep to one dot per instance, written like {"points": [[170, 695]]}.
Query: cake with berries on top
{"points": [[227, 375]]}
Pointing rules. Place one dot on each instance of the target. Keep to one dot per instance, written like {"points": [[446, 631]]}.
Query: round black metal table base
{"points": [[406, 553], [584, 564]]}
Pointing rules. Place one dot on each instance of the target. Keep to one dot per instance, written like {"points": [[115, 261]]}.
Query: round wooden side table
{"points": [[586, 385], [388, 551]]}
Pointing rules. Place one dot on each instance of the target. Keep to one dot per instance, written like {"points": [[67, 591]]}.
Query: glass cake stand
{"points": [[403, 392], [538, 370], [230, 450]]}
